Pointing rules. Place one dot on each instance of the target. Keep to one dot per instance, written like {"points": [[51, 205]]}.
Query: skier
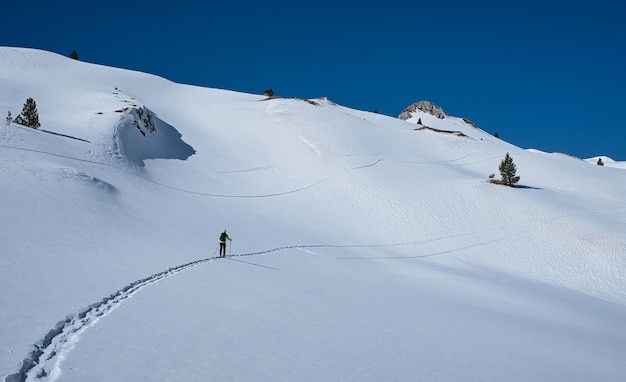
{"points": [[223, 237]]}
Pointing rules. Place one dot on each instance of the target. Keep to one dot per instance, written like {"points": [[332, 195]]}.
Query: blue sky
{"points": [[546, 74]]}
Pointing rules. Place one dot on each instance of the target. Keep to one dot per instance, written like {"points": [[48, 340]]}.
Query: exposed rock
{"points": [[141, 118], [424, 106], [156, 138], [469, 122], [457, 133]]}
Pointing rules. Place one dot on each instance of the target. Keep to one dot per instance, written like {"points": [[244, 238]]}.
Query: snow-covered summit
{"points": [[603, 160]]}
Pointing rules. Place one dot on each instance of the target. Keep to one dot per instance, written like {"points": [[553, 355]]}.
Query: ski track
{"points": [[43, 362], [252, 196], [44, 359]]}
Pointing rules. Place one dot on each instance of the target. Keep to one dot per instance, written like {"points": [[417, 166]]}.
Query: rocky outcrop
{"points": [[424, 106], [141, 119], [156, 139]]}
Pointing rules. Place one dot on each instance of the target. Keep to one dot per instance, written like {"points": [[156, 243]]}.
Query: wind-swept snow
{"points": [[363, 249]]}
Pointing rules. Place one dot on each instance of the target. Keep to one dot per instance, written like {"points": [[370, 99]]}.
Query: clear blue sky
{"points": [[549, 75]]}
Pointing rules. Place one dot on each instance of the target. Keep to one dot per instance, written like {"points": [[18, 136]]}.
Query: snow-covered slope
{"points": [[364, 247]]}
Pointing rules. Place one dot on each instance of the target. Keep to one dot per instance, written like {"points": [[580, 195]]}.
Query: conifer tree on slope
{"points": [[508, 170], [29, 116]]}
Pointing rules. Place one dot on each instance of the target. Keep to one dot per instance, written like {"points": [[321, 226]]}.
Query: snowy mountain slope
{"points": [[364, 249]]}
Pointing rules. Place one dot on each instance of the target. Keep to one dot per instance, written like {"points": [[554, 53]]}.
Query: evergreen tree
{"points": [[74, 55], [268, 93], [600, 163], [508, 170], [9, 118], [496, 135], [29, 116]]}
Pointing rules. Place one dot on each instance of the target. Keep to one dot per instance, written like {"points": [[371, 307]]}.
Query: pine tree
{"points": [[74, 55], [268, 92], [508, 170], [600, 163], [29, 116], [9, 118]]}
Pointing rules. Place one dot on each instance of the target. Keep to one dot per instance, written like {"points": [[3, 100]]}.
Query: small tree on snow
{"points": [[508, 170], [29, 116], [600, 163], [74, 55], [9, 118], [268, 93]]}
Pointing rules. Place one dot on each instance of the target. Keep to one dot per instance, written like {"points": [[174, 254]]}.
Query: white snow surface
{"points": [[362, 249]]}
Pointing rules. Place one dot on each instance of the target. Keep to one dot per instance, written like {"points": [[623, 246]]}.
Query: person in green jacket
{"points": [[223, 237]]}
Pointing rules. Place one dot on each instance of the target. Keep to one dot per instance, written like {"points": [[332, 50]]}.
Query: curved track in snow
{"points": [[43, 361], [253, 196], [46, 355], [201, 193]]}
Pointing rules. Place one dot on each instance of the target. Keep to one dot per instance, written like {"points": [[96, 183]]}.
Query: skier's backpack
{"points": [[223, 237]]}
